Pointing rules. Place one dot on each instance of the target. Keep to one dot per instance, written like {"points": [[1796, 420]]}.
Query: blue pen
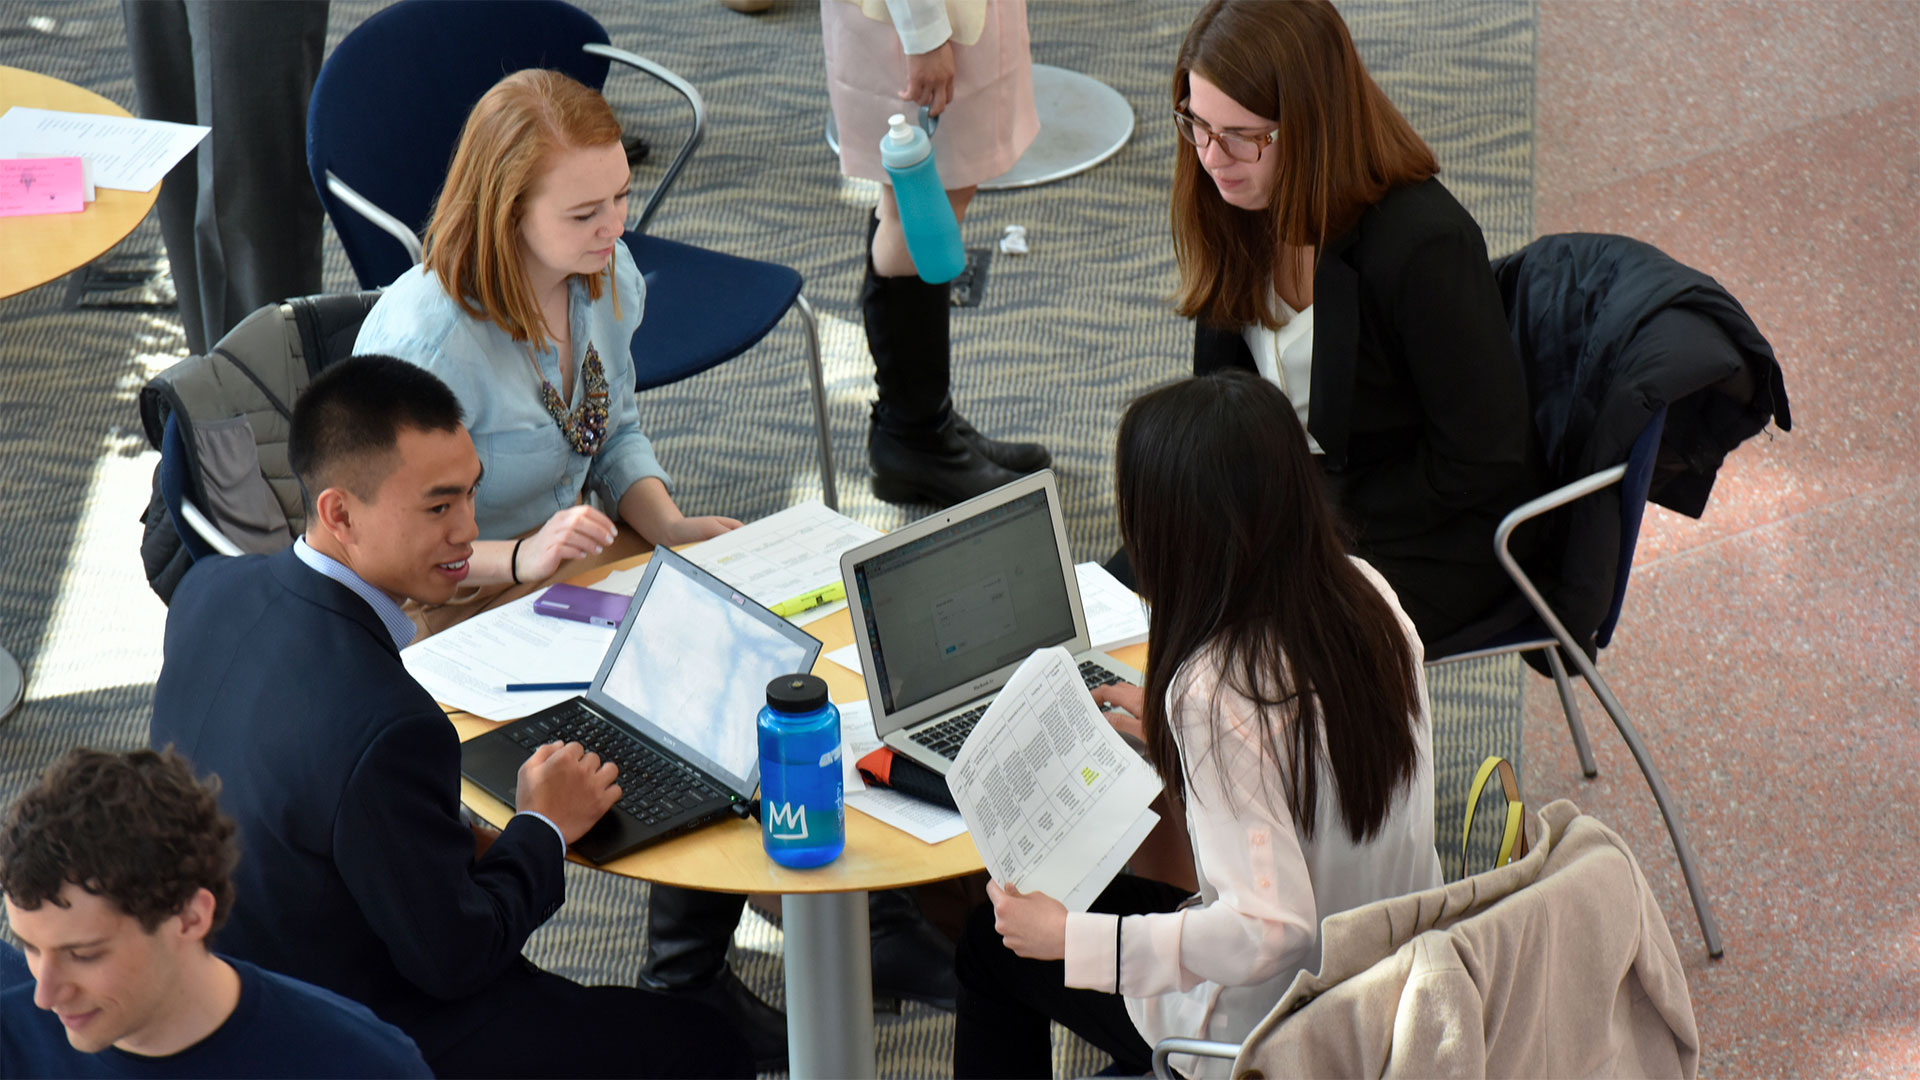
{"points": [[529, 686]]}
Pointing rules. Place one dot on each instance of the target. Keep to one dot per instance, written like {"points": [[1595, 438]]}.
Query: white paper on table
{"points": [[468, 666], [1048, 789], [1116, 616], [124, 153], [86, 169], [848, 656], [917, 818], [783, 555]]}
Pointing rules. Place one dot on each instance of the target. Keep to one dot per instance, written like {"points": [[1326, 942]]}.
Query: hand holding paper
{"points": [[1055, 800]]}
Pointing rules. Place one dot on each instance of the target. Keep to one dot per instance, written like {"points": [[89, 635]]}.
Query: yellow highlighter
{"points": [[787, 609]]}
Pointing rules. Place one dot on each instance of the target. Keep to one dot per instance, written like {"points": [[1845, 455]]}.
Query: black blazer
{"points": [[356, 872], [1419, 401]]}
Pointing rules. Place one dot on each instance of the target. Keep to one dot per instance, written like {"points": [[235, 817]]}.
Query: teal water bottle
{"points": [[933, 236], [803, 807]]}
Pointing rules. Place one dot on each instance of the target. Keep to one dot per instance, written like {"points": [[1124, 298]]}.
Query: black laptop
{"points": [[674, 706]]}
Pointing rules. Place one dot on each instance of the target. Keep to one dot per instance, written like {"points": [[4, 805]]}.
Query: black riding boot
{"points": [[922, 450], [688, 931]]}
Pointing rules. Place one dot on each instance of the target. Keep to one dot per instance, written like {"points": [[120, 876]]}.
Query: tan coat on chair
{"points": [[1557, 965]]}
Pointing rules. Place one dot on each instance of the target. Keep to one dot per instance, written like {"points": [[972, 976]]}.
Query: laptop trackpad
{"points": [[493, 761]]}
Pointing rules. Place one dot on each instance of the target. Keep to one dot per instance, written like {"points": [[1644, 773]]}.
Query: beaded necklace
{"points": [[586, 426]]}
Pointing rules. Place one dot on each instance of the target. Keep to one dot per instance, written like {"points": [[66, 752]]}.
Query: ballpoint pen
{"points": [[810, 599]]}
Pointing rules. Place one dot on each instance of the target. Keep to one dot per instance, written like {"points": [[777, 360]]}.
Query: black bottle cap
{"points": [[796, 693]]}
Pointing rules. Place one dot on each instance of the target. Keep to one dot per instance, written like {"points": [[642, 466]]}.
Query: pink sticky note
{"points": [[42, 186]]}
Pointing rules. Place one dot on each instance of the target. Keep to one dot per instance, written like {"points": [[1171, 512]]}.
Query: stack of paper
{"points": [[1055, 800]]}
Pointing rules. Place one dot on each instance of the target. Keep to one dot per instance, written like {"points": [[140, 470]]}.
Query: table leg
{"points": [[829, 961], [13, 684]]}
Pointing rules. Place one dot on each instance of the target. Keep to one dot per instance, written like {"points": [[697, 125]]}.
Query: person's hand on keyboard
{"points": [[1122, 696], [568, 784]]}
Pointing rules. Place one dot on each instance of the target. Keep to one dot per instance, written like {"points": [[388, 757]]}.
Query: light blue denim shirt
{"points": [[531, 469]]}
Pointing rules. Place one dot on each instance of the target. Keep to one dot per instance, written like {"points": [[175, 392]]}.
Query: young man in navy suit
{"points": [[282, 674]]}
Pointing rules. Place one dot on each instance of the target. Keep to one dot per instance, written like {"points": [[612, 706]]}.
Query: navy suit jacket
{"points": [[356, 872]]}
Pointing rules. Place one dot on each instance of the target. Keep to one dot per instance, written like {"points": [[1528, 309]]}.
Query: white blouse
{"points": [[1216, 967], [1284, 357]]}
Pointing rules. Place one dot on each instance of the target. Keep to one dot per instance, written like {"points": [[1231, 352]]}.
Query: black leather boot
{"points": [[688, 931], [1020, 457], [912, 960], [921, 449]]}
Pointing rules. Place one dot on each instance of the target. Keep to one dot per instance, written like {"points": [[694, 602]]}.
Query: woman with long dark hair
{"points": [[1284, 707], [1317, 248]]}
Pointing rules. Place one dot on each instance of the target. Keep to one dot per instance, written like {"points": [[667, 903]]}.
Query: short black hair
{"points": [[134, 828], [352, 414]]}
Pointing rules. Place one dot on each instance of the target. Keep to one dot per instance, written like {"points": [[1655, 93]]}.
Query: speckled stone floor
{"points": [[1770, 653]]}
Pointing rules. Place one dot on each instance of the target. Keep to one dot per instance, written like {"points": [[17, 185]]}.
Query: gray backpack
{"points": [[230, 411]]}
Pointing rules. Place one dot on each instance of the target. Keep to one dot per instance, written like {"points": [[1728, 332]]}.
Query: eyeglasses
{"points": [[1240, 145]]}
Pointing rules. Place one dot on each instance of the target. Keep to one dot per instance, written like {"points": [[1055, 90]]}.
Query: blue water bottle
{"points": [[933, 236], [803, 808]]}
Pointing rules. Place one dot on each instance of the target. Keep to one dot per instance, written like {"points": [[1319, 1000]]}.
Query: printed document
{"points": [[121, 153], [1116, 616], [1054, 798], [784, 555], [469, 665], [919, 819]]}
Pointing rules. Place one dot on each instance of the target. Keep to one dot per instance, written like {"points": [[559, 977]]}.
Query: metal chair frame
{"points": [[1559, 647], [816, 378]]}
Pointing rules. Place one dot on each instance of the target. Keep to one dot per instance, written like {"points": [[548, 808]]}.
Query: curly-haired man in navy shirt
{"points": [[116, 870]]}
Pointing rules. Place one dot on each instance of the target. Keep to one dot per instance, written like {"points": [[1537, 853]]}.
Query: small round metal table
{"points": [[1083, 122]]}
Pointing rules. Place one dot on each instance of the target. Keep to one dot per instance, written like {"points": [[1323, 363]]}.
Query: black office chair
{"points": [[384, 120]]}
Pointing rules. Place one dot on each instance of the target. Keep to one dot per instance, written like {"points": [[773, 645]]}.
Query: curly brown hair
{"points": [[135, 828]]}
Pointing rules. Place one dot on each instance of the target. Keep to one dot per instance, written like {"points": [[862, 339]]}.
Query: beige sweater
{"points": [[1557, 965]]}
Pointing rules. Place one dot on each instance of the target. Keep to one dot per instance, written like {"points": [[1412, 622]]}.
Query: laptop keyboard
{"points": [[655, 787], [945, 737]]}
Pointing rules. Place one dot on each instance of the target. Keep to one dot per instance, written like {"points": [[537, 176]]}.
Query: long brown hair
{"points": [[1342, 146], [1235, 547], [473, 241]]}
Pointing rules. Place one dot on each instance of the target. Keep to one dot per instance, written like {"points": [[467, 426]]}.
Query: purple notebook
{"points": [[594, 606]]}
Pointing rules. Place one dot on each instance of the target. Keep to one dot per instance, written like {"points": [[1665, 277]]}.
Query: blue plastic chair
{"points": [[386, 115]]}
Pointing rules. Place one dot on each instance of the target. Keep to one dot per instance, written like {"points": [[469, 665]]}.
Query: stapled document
{"points": [[1054, 798]]}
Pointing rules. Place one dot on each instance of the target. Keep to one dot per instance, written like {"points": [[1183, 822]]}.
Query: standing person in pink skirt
{"points": [[967, 61]]}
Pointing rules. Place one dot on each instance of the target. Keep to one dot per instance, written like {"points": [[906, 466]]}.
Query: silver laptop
{"points": [[945, 610]]}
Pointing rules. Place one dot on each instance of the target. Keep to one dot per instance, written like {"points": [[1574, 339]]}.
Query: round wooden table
{"points": [[823, 911], [41, 248]]}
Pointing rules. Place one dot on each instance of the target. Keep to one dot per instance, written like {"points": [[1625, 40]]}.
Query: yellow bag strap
{"points": [[1513, 841]]}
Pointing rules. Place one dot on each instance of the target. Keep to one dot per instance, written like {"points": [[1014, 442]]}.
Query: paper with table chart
{"points": [[467, 666], [784, 554], [920, 820], [121, 152], [1055, 800]]}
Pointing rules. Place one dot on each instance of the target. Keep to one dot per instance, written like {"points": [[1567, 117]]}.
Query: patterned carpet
{"points": [[1064, 337]]}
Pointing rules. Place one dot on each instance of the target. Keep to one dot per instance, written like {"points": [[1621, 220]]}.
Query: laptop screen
{"points": [[963, 601], [696, 662]]}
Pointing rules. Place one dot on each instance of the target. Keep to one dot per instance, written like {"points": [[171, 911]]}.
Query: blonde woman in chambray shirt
{"points": [[526, 306]]}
